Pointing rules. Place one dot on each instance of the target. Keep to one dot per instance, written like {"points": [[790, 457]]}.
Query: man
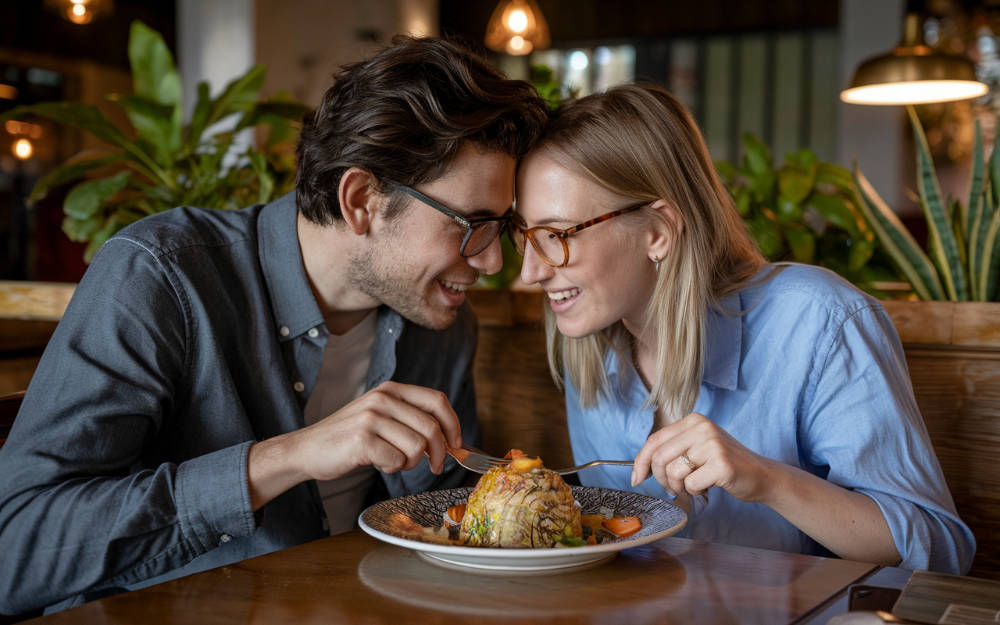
{"points": [[225, 384]]}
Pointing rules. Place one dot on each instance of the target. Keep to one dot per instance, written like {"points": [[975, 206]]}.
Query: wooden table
{"points": [[354, 578]]}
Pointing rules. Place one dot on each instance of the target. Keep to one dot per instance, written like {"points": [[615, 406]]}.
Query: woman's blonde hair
{"points": [[639, 141]]}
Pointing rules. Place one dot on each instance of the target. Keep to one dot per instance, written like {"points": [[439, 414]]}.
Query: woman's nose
{"points": [[533, 268]]}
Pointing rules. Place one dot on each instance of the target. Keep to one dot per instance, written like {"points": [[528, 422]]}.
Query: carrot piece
{"points": [[456, 513], [622, 526], [515, 453], [591, 540]]}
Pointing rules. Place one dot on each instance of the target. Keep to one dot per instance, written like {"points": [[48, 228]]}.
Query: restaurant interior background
{"points": [[773, 68]]}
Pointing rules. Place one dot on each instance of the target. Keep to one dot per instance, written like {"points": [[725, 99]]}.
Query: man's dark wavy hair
{"points": [[403, 114]]}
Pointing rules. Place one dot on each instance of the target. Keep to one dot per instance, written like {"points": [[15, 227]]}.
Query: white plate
{"points": [[659, 519]]}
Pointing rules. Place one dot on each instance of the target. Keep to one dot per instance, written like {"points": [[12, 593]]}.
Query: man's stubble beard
{"points": [[375, 277]]}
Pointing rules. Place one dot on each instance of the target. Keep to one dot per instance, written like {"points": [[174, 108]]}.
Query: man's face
{"points": [[413, 263]]}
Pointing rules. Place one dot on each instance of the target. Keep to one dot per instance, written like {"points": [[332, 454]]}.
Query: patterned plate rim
{"points": [[552, 552]]}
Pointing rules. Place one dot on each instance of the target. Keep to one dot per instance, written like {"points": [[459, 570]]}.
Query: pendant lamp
{"points": [[517, 27], [913, 73]]}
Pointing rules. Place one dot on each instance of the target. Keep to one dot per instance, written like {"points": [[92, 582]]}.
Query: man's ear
{"points": [[358, 199], [667, 226]]}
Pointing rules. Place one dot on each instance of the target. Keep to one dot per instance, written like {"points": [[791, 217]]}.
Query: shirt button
{"points": [[313, 333], [390, 330], [225, 538], [299, 386], [284, 331]]}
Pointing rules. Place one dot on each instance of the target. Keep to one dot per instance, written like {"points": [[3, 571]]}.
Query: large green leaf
{"points": [[80, 230], [939, 225], [828, 173], [989, 263], [897, 241], [836, 210], [768, 236], [238, 96], [801, 242], [756, 155], [72, 171], [271, 111], [976, 184], [88, 118], [861, 252], [154, 75], [154, 123], [788, 210], [86, 198], [796, 182], [259, 164], [199, 119], [76, 114]]}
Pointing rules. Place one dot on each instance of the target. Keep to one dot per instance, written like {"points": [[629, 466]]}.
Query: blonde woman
{"points": [[779, 392]]}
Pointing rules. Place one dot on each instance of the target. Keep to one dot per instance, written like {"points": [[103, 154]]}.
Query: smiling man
{"points": [[229, 383]]}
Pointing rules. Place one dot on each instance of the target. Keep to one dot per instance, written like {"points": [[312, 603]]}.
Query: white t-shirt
{"points": [[341, 380]]}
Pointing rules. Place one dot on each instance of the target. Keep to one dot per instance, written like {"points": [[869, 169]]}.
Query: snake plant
{"points": [[158, 161], [963, 251]]}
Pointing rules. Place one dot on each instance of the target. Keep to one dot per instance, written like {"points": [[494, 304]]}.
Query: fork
{"points": [[475, 459], [479, 461]]}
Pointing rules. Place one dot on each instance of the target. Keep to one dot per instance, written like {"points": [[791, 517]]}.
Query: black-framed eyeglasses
{"points": [[550, 243], [479, 231]]}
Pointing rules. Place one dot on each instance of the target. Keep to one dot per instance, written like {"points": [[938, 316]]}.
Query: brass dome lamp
{"points": [[913, 73]]}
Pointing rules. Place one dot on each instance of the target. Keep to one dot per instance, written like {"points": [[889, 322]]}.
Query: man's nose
{"points": [[490, 260]]}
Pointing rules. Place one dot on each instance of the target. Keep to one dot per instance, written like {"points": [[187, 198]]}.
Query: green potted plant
{"points": [[804, 210], [161, 161], [963, 262]]}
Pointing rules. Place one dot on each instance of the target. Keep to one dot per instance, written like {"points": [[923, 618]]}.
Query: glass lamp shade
{"points": [[913, 73], [517, 27]]}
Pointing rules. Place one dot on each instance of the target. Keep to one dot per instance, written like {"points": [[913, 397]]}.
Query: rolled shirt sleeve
{"points": [[864, 425]]}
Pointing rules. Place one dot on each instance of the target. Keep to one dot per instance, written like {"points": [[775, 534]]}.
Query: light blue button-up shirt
{"points": [[805, 369]]}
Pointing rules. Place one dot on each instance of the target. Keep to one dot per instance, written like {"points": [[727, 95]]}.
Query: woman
{"points": [[779, 392]]}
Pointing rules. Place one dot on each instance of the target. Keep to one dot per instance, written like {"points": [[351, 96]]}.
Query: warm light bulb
{"points": [[79, 14], [517, 21], [914, 92], [518, 45], [23, 149]]}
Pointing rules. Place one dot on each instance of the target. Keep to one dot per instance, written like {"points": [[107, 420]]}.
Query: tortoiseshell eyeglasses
{"points": [[550, 243]]}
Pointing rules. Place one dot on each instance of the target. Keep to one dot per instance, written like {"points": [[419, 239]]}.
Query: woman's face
{"points": [[610, 275]]}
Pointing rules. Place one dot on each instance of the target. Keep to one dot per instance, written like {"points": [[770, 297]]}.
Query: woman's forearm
{"points": [[847, 523]]}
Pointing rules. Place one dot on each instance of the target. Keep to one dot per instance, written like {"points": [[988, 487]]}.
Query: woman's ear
{"points": [[667, 226], [358, 199]]}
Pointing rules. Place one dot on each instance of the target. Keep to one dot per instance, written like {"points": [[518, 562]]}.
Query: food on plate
{"points": [[521, 505]]}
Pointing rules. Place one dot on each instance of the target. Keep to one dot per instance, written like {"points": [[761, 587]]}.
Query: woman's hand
{"points": [[694, 454]]}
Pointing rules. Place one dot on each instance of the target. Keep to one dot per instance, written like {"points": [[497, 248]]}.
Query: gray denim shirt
{"points": [[185, 342]]}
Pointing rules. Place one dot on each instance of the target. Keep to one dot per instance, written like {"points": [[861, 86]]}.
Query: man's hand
{"points": [[390, 428]]}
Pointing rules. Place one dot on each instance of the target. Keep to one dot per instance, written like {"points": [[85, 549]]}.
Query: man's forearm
{"points": [[272, 469]]}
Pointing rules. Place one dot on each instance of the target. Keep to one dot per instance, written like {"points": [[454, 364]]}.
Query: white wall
{"points": [[871, 135], [214, 43]]}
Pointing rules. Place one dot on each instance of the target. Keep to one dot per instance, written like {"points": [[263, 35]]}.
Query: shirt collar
{"points": [[723, 345], [292, 299]]}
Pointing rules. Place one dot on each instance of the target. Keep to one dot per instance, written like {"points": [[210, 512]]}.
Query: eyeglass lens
{"points": [[548, 244], [479, 237]]}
